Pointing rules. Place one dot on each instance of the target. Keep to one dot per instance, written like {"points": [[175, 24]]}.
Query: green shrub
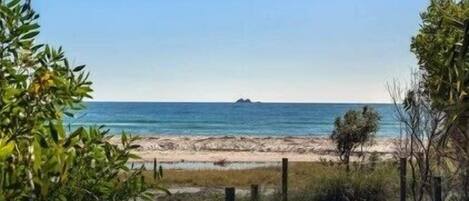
{"points": [[39, 160], [355, 129], [441, 47], [336, 184]]}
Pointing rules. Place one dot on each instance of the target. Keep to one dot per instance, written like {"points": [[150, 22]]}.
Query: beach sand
{"points": [[244, 149]]}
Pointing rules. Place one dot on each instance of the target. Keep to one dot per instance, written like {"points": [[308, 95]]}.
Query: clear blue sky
{"points": [[267, 50]]}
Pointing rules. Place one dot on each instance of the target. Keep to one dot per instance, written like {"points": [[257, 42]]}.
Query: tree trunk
{"points": [[347, 163]]}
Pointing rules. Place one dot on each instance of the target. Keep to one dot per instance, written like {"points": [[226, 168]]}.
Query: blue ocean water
{"points": [[259, 119]]}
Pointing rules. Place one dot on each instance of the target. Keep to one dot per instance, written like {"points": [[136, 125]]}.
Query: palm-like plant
{"points": [[441, 47]]}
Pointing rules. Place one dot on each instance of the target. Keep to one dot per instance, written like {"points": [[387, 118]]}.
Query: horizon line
{"points": [[253, 101]]}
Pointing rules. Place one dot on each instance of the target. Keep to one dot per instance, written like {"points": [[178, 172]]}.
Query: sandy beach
{"points": [[244, 149]]}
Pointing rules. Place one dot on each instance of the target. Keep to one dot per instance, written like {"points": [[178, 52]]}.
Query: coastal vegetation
{"points": [[42, 160], [308, 181], [434, 115], [434, 110], [356, 129], [39, 158]]}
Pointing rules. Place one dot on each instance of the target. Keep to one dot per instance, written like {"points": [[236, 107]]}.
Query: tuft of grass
{"points": [[308, 181], [302, 175], [333, 183], [220, 178], [202, 196]]}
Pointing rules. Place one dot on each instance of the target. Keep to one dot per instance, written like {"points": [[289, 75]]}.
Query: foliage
{"points": [[373, 159], [337, 184], [441, 47], [422, 131], [308, 181], [354, 130], [39, 160]]}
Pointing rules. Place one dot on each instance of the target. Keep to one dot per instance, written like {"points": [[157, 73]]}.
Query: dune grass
{"points": [[335, 184], [220, 178], [302, 176], [299, 173], [317, 181]]}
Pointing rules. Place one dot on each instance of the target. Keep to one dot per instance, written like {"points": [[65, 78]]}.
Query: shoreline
{"points": [[323, 136], [184, 148]]}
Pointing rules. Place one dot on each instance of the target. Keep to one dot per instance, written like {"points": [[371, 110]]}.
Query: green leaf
{"points": [[53, 132], [60, 129], [13, 3], [68, 114], [27, 28], [30, 35], [124, 139], [37, 155], [11, 92], [6, 10], [76, 132], [43, 142], [6, 149], [78, 68], [36, 47]]}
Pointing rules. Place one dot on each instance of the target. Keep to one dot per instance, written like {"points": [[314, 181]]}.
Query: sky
{"points": [[219, 51]]}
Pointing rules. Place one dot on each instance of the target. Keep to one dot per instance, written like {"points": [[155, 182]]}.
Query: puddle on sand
{"points": [[186, 165]]}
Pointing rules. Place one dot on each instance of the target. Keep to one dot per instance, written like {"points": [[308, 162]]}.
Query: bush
{"points": [[39, 160], [339, 185], [354, 130], [441, 47]]}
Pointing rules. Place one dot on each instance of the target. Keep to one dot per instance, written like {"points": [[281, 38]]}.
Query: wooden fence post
{"points": [[155, 170], [284, 179], [437, 189], [229, 194], [254, 192], [403, 172]]}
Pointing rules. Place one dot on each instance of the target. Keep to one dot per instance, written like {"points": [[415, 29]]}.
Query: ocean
{"points": [[222, 119]]}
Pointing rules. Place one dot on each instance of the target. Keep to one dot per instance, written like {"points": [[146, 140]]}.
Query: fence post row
{"points": [[230, 191]]}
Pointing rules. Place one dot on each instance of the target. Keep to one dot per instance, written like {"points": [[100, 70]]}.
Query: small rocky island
{"points": [[241, 100]]}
